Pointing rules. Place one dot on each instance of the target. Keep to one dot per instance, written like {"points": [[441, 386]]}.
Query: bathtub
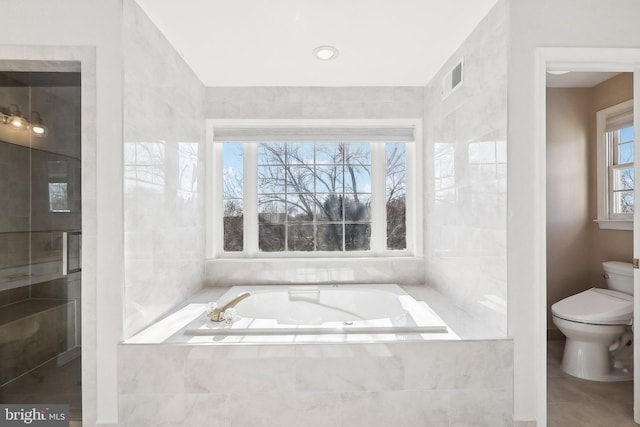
{"points": [[275, 314], [322, 310]]}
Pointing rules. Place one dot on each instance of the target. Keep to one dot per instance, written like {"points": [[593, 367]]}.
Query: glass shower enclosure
{"points": [[40, 239]]}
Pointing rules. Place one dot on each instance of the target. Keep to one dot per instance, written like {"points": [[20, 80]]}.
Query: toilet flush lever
{"points": [[636, 263]]}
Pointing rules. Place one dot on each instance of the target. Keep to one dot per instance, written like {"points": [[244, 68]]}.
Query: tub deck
{"points": [[188, 324]]}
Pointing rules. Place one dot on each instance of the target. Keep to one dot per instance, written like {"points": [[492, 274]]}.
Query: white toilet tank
{"points": [[619, 276]]}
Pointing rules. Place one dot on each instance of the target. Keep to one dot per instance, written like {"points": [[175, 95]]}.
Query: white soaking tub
{"points": [[321, 310]]}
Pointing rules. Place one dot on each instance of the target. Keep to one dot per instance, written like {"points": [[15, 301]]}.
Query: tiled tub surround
{"points": [[466, 176], [231, 272], [431, 383], [414, 383], [163, 174]]}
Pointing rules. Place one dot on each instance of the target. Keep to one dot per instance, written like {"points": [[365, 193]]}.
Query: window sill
{"points": [[259, 271], [615, 224]]}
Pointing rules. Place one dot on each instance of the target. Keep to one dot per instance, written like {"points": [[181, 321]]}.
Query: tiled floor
{"points": [[49, 383], [575, 402]]}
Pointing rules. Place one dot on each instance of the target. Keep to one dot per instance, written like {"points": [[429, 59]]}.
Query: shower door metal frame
{"points": [[49, 58]]}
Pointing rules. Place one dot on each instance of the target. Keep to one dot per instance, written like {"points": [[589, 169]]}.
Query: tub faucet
{"points": [[216, 313]]}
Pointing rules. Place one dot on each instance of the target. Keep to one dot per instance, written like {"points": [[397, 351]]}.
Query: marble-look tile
{"points": [[11, 296], [167, 409], [262, 110], [333, 110], [358, 371], [400, 408], [163, 174], [400, 110], [489, 407], [209, 410], [313, 103], [277, 409], [409, 94], [230, 272], [239, 375], [459, 365], [150, 410], [466, 218], [151, 369], [243, 352], [348, 94]]}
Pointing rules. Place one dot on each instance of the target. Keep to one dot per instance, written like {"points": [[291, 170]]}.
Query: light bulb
{"points": [[325, 53], [18, 122], [38, 130]]}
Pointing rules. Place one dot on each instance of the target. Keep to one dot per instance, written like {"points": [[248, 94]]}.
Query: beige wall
{"points": [[607, 245], [576, 246], [569, 220]]}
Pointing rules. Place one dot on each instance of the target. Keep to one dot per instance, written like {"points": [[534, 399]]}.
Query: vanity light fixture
{"points": [[325, 53], [557, 73], [15, 120], [36, 125]]}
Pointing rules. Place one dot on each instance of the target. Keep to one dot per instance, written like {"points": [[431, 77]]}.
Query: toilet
{"points": [[597, 325]]}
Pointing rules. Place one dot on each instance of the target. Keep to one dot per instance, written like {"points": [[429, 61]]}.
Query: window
{"points": [[616, 148], [58, 186], [314, 188]]}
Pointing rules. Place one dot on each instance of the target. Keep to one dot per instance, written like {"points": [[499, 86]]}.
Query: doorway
{"points": [[41, 238], [576, 244], [583, 60]]}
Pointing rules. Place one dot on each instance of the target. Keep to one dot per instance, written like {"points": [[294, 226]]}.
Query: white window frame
{"points": [[605, 219], [414, 198]]}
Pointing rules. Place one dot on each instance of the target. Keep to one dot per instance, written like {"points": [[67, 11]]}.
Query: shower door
{"points": [[40, 239]]}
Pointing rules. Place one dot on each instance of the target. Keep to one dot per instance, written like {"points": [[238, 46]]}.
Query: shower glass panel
{"points": [[40, 239]]}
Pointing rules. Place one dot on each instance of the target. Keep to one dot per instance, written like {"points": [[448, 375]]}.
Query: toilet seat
{"points": [[596, 306]]}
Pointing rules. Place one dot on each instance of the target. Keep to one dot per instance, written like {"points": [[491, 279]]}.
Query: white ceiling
{"points": [[270, 42], [578, 79]]}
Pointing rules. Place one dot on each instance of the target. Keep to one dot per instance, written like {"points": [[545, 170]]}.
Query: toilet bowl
{"points": [[597, 326]]}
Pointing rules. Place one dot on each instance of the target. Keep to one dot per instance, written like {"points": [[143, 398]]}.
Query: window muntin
{"points": [[314, 196]]}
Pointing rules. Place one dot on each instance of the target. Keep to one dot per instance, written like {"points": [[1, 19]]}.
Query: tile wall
{"points": [[466, 176], [163, 174], [37, 323], [446, 383], [314, 102]]}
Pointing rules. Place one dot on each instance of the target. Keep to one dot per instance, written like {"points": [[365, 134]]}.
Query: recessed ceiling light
{"points": [[325, 53], [557, 72]]}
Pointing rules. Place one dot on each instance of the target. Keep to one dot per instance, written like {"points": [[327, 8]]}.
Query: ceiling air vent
{"points": [[453, 79]]}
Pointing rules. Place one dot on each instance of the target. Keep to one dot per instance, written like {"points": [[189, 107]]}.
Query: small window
{"points": [[616, 150], [319, 191]]}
